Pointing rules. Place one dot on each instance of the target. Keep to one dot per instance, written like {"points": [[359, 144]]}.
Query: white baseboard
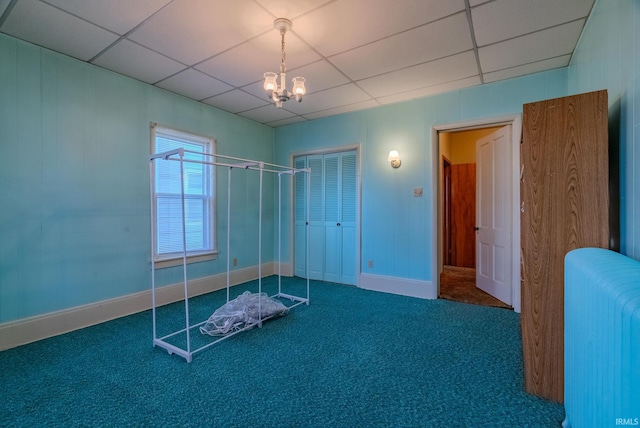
{"points": [[402, 286], [21, 332]]}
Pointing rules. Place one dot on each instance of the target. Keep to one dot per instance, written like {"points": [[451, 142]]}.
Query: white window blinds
{"points": [[198, 195]]}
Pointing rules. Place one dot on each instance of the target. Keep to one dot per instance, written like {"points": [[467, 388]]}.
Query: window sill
{"points": [[177, 261]]}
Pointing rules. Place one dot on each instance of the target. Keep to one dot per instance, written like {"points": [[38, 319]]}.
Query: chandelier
{"points": [[279, 93]]}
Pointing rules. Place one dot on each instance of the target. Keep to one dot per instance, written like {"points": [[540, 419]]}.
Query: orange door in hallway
{"points": [[463, 215]]}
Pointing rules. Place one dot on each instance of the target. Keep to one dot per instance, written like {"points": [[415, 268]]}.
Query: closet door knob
{"points": [[337, 224]]}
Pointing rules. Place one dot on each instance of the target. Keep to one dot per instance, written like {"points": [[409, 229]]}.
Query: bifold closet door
{"points": [[340, 217], [565, 205], [332, 217]]}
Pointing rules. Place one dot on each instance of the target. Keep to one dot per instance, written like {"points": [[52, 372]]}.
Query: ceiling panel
{"points": [[47, 26], [556, 41], [343, 109], [442, 38], [505, 19], [252, 59], [523, 70], [346, 24], [290, 9], [338, 96], [320, 76], [3, 5], [236, 101], [193, 84], [282, 122], [431, 73], [119, 16], [191, 31], [355, 54], [430, 90], [267, 113], [133, 60]]}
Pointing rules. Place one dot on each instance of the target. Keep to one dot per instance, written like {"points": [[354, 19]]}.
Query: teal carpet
{"points": [[352, 358]]}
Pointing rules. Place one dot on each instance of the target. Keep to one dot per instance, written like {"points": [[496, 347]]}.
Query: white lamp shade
{"points": [[393, 156], [270, 82], [298, 86]]}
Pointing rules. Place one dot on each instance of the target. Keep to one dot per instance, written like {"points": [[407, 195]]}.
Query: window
{"points": [[199, 195]]}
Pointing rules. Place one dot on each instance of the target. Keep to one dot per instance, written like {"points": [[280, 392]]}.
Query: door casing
{"points": [[516, 121]]}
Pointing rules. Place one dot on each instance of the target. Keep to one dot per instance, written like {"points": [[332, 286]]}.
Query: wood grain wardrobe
{"points": [[564, 205]]}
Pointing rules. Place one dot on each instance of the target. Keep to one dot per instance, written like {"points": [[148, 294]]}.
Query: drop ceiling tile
{"points": [[266, 114], [236, 101], [214, 26], [3, 5], [343, 109], [255, 89], [346, 24], [505, 19], [47, 26], [194, 84], [249, 61], [554, 42], [133, 60], [442, 38], [508, 73], [330, 98], [288, 121], [423, 75], [431, 90], [290, 9], [319, 76], [119, 16]]}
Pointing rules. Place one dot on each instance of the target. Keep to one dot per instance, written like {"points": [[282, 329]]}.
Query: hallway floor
{"points": [[459, 284]]}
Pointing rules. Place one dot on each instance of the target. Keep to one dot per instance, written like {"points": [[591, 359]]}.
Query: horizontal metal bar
{"points": [[166, 155], [290, 297]]}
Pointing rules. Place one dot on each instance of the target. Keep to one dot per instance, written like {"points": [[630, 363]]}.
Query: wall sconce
{"points": [[394, 158]]}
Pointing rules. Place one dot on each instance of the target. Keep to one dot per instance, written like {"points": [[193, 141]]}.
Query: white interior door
{"points": [[493, 223]]}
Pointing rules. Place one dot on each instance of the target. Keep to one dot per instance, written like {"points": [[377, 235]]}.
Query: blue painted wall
{"points": [[397, 232], [74, 174], [74, 216], [608, 57]]}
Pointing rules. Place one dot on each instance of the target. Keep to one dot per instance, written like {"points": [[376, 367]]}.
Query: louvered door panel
{"points": [[316, 217], [348, 210], [300, 255], [332, 246]]}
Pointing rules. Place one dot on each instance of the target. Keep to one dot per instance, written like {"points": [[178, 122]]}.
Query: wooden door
{"points": [[565, 205], [463, 215], [446, 217]]}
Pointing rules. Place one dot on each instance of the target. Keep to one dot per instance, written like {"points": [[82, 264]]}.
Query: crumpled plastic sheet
{"points": [[241, 312]]}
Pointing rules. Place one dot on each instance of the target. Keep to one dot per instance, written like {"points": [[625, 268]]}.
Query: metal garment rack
{"points": [[178, 155]]}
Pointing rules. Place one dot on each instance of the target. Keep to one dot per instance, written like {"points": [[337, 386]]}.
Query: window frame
{"points": [[209, 147]]}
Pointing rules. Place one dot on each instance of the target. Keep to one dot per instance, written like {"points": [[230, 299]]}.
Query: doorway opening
{"points": [[451, 249], [458, 177]]}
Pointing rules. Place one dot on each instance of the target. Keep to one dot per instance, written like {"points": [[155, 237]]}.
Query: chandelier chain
{"points": [[283, 67]]}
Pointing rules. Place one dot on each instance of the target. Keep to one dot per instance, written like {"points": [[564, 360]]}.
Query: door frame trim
{"points": [[515, 120]]}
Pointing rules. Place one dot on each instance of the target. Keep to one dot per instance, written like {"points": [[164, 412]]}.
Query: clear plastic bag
{"points": [[241, 312]]}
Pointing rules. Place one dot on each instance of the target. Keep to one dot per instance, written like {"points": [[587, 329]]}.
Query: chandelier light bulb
{"points": [[270, 82]]}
